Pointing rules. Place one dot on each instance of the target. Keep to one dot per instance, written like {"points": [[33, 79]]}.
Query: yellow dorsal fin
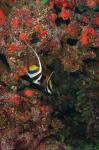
{"points": [[33, 67]]}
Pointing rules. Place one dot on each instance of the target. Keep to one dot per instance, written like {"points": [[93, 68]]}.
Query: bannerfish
{"points": [[49, 86], [35, 71]]}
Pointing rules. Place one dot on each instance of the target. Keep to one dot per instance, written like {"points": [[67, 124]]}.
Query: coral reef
{"points": [[62, 111]]}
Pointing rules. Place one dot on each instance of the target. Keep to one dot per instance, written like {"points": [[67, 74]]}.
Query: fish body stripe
{"points": [[49, 87], [34, 74], [31, 75], [33, 71], [48, 91], [50, 84], [37, 81]]}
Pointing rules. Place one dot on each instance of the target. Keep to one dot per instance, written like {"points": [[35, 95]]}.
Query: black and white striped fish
{"points": [[35, 72], [49, 86]]}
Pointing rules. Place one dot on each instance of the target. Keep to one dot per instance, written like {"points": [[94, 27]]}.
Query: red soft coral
{"points": [[14, 22], [2, 18], [65, 14], [85, 35]]}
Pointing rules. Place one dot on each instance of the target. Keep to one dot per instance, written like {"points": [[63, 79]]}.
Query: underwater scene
{"points": [[49, 74]]}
